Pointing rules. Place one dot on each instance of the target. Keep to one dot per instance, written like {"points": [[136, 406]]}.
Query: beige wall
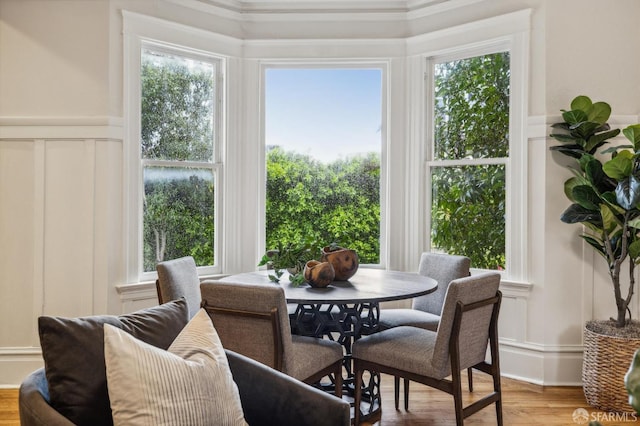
{"points": [[62, 160], [54, 63], [590, 49]]}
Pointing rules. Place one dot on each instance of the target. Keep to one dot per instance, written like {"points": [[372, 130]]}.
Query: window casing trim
{"points": [[384, 160], [167, 39], [517, 44]]}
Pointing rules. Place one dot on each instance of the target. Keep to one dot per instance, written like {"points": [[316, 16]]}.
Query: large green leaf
{"points": [[615, 241], [575, 213], [575, 116], [594, 228], [598, 139], [584, 129], [612, 202], [574, 151], [628, 192], [569, 185], [600, 112], [633, 134], [634, 223], [619, 167], [565, 138], [634, 250], [614, 149], [582, 103], [585, 159], [609, 222], [586, 197], [580, 175], [595, 244], [610, 197], [596, 176]]}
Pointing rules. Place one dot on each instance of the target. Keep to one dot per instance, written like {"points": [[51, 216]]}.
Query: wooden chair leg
{"points": [[470, 377], [497, 388], [396, 390], [406, 394], [358, 393], [457, 398], [338, 382]]}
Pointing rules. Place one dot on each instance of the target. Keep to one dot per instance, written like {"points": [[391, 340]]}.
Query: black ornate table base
{"points": [[344, 323]]}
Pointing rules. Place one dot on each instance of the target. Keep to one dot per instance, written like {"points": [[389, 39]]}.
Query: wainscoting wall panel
{"points": [[68, 227], [60, 228], [18, 216]]}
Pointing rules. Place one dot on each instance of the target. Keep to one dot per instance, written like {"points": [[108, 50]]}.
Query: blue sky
{"points": [[327, 113]]}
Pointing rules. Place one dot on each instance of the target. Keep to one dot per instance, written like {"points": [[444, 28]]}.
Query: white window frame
{"points": [[162, 36], [431, 163], [506, 33], [383, 66]]}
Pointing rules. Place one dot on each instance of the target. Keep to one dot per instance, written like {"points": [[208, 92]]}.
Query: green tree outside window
{"points": [[471, 122], [177, 110], [323, 136]]}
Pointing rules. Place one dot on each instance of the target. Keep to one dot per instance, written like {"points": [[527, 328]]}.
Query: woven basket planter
{"points": [[606, 361]]}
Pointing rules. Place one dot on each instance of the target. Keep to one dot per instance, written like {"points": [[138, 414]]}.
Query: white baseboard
{"points": [[18, 363], [548, 366]]}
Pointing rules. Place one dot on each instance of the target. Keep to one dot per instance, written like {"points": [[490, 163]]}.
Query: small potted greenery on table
{"points": [[292, 258]]}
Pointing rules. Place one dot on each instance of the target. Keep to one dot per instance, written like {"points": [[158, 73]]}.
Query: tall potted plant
{"points": [[605, 197]]}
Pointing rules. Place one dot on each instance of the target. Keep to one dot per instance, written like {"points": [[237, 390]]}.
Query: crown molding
{"points": [[269, 10], [327, 6]]}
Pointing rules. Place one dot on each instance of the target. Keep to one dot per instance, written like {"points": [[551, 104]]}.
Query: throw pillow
{"points": [[189, 384], [73, 352]]}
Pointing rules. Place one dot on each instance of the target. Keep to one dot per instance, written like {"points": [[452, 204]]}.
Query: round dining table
{"points": [[344, 311]]}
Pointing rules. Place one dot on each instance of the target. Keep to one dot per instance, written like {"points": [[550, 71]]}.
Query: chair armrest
{"points": [[273, 398], [34, 405]]}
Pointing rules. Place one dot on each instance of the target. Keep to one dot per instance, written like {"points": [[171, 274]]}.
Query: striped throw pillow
{"points": [[188, 384]]}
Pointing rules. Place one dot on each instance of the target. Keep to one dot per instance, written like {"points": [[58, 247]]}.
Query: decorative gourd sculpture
{"points": [[345, 261], [318, 274]]}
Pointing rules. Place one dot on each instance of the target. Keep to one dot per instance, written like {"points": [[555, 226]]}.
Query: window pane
{"points": [[177, 107], [468, 213], [178, 215], [471, 108], [323, 158]]}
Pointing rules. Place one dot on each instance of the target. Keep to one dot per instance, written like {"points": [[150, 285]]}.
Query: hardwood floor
{"points": [[523, 404], [9, 407]]}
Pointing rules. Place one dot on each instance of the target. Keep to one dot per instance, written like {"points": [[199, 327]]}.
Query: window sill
{"points": [[518, 289], [135, 290]]}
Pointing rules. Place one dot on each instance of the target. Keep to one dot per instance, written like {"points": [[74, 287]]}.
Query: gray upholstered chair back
{"points": [[474, 329], [179, 278], [443, 268], [243, 332]]}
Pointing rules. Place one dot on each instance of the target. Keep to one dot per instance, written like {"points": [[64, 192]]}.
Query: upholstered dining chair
{"points": [[179, 278], [253, 321], [425, 310], [468, 323]]}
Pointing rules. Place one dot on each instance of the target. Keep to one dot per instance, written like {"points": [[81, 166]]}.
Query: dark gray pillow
{"points": [[73, 352]]}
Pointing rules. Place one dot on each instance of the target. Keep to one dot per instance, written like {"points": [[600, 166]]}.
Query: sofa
{"points": [[75, 366]]}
